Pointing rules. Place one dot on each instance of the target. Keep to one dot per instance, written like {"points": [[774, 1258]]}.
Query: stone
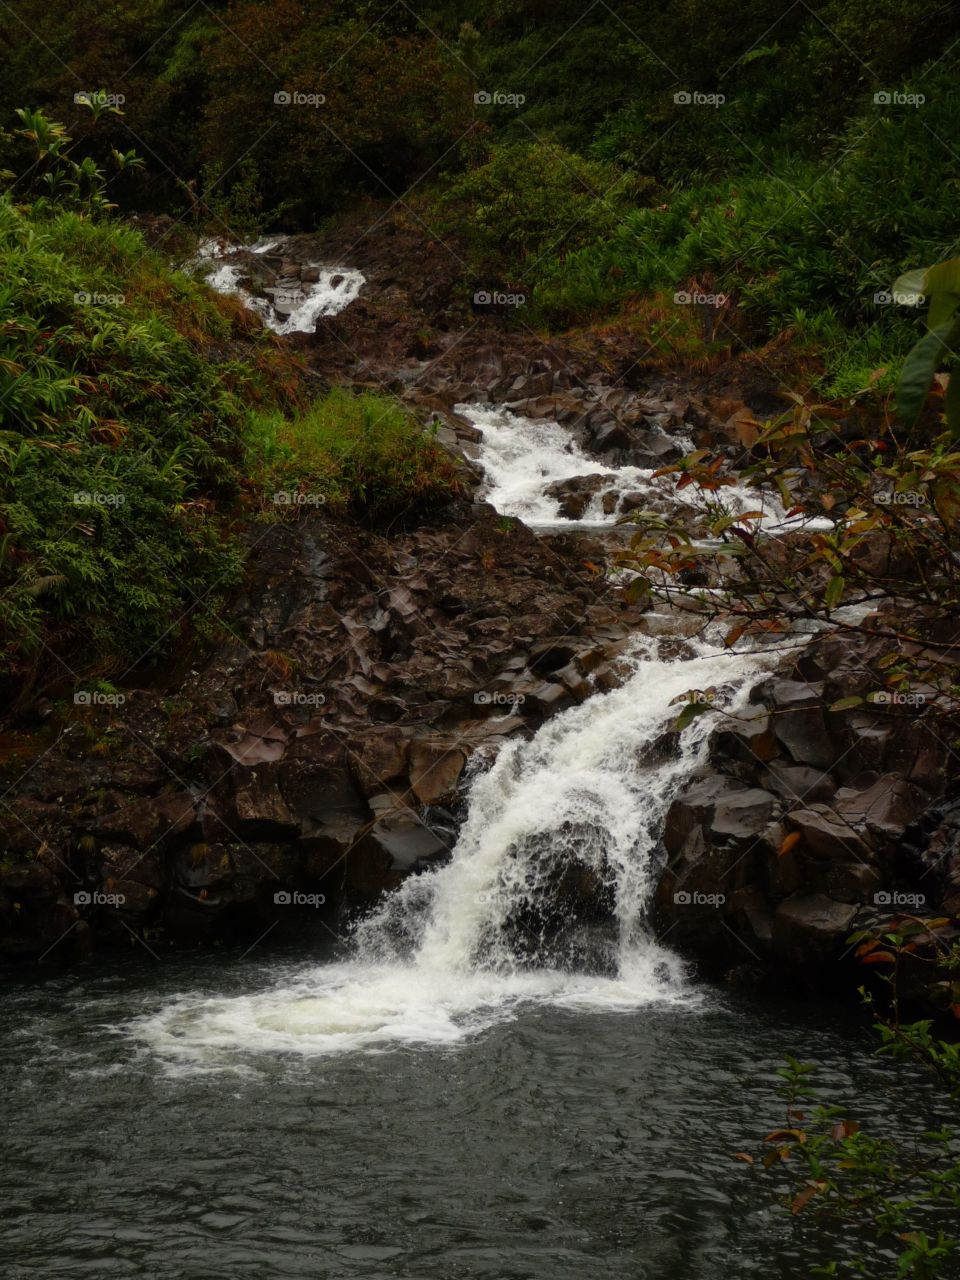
{"points": [[884, 807], [149, 820], [748, 737], [797, 782], [379, 759], [827, 834], [810, 930], [575, 494], [723, 808], [799, 723], [435, 771]]}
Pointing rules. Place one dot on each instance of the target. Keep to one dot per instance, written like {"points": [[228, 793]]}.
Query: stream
{"points": [[462, 1085]]}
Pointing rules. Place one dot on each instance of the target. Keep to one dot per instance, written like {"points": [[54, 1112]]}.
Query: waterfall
{"points": [[521, 457], [294, 308], [459, 948], [545, 899], [588, 792]]}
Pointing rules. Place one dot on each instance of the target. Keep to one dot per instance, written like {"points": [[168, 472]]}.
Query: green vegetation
{"points": [[139, 412], [901, 1197], [356, 453], [119, 438], [794, 160]]}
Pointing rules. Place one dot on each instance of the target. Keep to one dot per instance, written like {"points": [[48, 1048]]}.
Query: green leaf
{"points": [[918, 370], [845, 704], [942, 308], [944, 277], [834, 591], [911, 284], [690, 713]]}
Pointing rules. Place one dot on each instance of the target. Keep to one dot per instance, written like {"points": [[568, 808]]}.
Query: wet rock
{"points": [[720, 809], [828, 834], [147, 821], [574, 495], [797, 782], [810, 930], [799, 724], [435, 770], [750, 737]]}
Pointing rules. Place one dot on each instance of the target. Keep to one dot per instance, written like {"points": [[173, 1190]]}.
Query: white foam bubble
{"points": [[521, 457], [437, 962], [335, 288]]}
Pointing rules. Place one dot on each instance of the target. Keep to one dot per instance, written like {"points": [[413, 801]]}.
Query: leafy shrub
{"points": [[359, 453], [529, 201]]}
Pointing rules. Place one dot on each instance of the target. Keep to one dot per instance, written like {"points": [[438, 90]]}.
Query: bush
{"points": [[532, 201], [121, 415], [359, 453]]}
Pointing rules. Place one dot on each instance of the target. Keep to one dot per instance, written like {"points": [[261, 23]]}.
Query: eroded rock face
{"points": [[809, 825], [320, 752]]}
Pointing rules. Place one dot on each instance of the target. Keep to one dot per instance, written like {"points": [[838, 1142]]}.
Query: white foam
{"points": [[437, 962], [335, 288], [521, 457]]}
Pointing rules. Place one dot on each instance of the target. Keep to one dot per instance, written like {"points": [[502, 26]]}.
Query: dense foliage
{"points": [[793, 158], [139, 412]]}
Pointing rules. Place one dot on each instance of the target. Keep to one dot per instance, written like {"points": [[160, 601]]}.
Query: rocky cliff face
{"points": [[320, 752], [810, 825]]}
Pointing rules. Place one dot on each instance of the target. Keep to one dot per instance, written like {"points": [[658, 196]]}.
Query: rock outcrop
{"points": [[320, 753], [810, 825]]}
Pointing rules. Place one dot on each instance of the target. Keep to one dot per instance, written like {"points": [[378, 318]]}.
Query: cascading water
{"points": [[439, 959], [522, 457], [295, 312], [459, 948]]}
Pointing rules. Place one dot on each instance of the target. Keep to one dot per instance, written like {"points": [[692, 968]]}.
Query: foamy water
{"points": [[335, 288], [437, 962], [521, 457]]}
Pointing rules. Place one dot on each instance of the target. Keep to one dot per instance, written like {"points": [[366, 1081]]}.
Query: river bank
{"points": [[328, 748]]}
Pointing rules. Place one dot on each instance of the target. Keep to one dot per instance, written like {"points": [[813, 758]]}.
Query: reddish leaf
{"points": [[806, 1195], [788, 843]]}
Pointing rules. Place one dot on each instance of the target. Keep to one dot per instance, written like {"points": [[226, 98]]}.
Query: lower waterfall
{"points": [[459, 947]]}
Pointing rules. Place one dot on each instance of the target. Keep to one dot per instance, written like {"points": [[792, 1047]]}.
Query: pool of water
{"points": [[558, 1143]]}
